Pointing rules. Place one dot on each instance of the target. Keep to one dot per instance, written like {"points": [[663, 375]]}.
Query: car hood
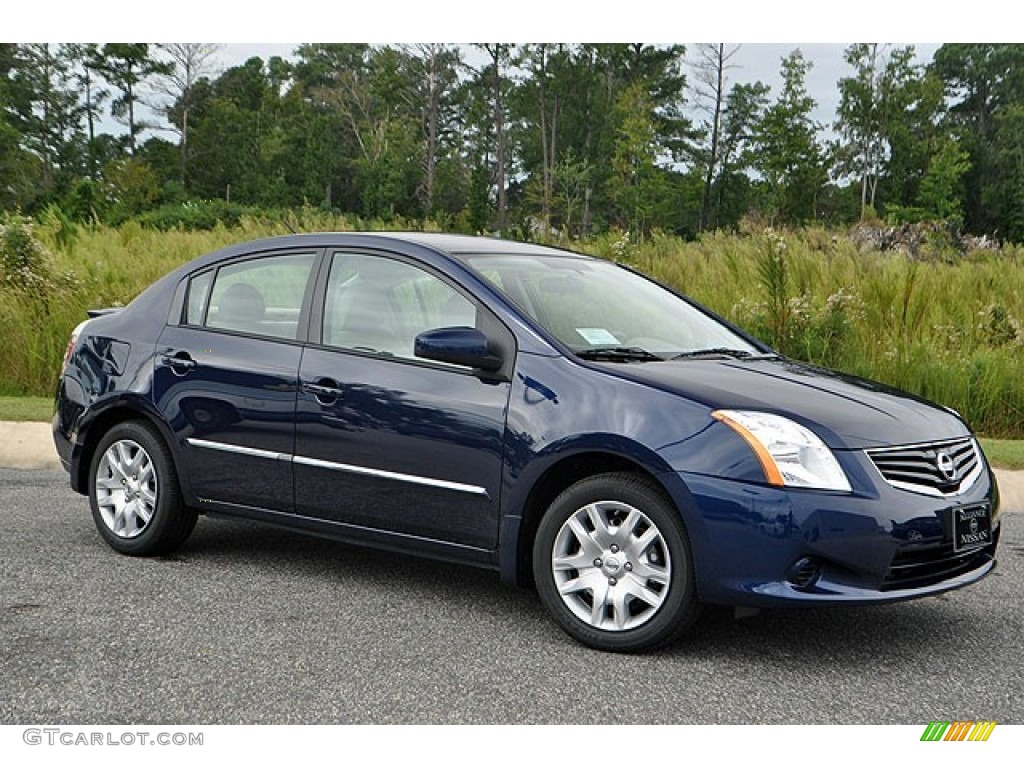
{"points": [[845, 411]]}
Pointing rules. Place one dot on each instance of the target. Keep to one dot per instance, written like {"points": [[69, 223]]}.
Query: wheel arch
{"points": [[120, 411], [555, 479]]}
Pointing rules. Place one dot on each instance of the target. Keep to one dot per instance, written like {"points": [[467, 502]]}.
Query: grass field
{"points": [[950, 329], [1005, 454], [26, 408]]}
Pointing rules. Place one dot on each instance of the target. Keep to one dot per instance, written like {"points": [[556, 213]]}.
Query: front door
{"points": [[385, 440]]}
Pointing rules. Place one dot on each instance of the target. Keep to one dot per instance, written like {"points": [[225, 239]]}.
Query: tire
{"points": [[134, 493], [613, 565]]}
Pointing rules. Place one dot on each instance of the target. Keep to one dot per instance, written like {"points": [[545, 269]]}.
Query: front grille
{"points": [[937, 469], [920, 566]]}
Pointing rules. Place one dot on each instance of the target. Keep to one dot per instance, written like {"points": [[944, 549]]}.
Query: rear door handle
{"points": [[326, 391], [180, 362]]}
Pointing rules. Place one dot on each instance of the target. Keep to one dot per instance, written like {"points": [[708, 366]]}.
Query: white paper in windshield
{"points": [[597, 336]]}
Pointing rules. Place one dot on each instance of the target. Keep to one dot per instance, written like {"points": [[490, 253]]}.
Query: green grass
{"points": [[1005, 454], [26, 408]]}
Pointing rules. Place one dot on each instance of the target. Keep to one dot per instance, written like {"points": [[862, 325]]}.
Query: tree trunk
{"points": [[585, 225], [434, 106], [90, 120], [130, 97], [499, 127], [545, 209], [716, 127], [184, 143]]}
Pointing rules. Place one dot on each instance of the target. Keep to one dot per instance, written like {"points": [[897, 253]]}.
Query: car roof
{"points": [[456, 246], [465, 245]]}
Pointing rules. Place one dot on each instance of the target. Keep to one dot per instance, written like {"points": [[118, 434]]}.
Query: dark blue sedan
{"points": [[561, 419]]}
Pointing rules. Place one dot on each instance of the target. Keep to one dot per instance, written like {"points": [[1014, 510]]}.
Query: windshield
{"points": [[594, 307]]}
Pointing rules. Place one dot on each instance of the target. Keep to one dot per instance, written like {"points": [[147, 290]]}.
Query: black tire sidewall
{"points": [[680, 608], [169, 517]]}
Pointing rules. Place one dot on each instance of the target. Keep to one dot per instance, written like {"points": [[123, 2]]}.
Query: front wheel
{"points": [[612, 564], [134, 495]]}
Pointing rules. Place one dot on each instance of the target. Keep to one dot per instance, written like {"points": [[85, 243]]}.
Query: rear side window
{"points": [[198, 292], [262, 296]]}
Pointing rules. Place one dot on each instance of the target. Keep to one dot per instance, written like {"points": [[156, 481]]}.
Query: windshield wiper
{"points": [[739, 354], [618, 354]]}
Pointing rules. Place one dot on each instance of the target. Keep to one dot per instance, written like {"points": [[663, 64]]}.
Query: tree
{"points": [[227, 122], [634, 182], [982, 83], [46, 113], [495, 79], [914, 138], [547, 75], [571, 178], [19, 168], [589, 81], [85, 59], [1006, 198], [186, 64], [434, 74], [127, 67], [788, 156], [132, 185], [870, 103], [369, 98], [941, 194], [743, 111], [710, 67]]}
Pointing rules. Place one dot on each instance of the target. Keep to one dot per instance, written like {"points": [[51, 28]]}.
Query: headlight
{"points": [[790, 454]]}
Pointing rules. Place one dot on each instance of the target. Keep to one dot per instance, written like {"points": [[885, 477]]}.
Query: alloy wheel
{"points": [[126, 489]]}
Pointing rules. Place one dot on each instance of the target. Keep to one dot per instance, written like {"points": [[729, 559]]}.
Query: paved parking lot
{"points": [[252, 625]]}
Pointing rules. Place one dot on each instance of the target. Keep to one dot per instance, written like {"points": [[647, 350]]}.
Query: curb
{"points": [[29, 445]]}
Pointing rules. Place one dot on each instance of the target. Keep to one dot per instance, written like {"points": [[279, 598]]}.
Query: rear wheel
{"points": [[134, 494], [612, 564]]}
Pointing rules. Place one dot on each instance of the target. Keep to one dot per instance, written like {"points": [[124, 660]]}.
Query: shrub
{"points": [[25, 263], [196, 215]]}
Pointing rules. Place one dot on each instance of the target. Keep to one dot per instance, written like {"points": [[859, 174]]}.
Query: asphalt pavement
{"points": [[248, 624]]}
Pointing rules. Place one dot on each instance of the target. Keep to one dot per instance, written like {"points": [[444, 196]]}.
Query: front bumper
{"points": [[752, 544]]}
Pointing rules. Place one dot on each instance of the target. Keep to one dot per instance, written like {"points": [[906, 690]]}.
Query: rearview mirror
{"points": [[459, 346]]}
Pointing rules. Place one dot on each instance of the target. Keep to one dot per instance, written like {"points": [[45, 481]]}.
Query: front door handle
{"points": [[326, 391]]}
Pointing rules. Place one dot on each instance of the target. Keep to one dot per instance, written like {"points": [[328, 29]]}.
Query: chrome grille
{"points": [[937, 469]]}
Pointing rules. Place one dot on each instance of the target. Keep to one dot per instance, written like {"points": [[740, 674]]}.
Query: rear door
{"points": [[386, 440], [227, 375]]}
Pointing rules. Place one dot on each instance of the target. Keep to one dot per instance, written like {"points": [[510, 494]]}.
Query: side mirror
{"points": [[459, 346]]}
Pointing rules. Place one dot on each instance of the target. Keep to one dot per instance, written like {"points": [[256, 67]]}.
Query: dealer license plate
{"points": [[972, 527]]}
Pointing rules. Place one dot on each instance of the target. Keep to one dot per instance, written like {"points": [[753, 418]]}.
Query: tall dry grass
{"points": [[950, 330]]}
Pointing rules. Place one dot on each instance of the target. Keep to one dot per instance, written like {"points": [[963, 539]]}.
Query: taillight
{"points": [[71, 346]]}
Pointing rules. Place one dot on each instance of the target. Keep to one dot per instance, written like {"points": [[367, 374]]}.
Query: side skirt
{"points": [[356, 534]]}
